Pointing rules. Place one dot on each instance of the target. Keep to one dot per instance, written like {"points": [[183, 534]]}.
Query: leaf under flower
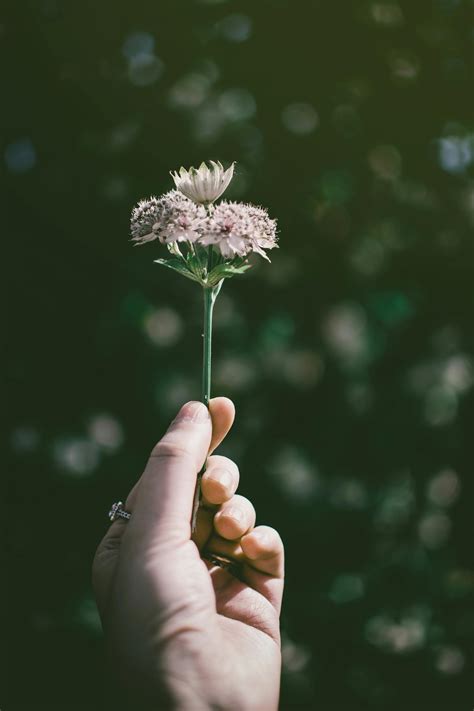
{"points": [[178, 266], [192, 268], [225, 271]]}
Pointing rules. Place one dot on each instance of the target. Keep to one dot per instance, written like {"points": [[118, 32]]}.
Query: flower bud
{"points": [[203, 185]]}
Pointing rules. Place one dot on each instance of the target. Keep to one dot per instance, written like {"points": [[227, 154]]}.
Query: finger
{"points": [[235, 518], [218, 485], [204, 527], [111, 540], [106, 555], [220, 480], [103, 567], [222, 413], [264, 568], [165, 496], [117, 528], [219, 546], [263, 548]]}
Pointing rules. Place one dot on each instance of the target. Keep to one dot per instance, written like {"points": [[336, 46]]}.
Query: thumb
{"points": [[165, 496]]}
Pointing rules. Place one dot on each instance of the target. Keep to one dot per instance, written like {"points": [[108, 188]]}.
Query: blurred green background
{"points": [[350, 358]]}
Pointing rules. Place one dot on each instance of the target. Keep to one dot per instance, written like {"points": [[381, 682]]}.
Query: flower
{"points": [[203, 185], [170, 218], [182, 219], [237, 229], [233, 228], [144, 216]]}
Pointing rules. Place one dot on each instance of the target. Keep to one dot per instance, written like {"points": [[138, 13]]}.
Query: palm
{"points": [[247, 621], [232, 598]]}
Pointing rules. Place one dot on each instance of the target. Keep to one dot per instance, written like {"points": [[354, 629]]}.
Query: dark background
{"points": [[349, 358]]}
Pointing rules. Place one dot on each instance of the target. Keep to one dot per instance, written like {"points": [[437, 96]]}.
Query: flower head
{"points": [[170, 218], [237, 229], [203, 185], [144, 216]]}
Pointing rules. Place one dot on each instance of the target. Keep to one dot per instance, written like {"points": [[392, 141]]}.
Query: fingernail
{"points": [[222, 477], [262, 537], [193, 411], [234, 513]]}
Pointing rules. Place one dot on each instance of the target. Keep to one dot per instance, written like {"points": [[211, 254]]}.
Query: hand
{"points": [[183, 633]]}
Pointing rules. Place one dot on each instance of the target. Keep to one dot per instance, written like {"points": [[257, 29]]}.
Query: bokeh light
{"points": [[300, 118], [20, 156]]}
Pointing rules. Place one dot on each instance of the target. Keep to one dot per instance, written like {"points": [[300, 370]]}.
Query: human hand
{"points": [[181, 632]]}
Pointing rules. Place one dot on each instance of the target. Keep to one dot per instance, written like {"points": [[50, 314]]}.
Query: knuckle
{"points": [[238, 504], [215, 489], [218, 460], [272, 534], [243, 503], [167, 449]]}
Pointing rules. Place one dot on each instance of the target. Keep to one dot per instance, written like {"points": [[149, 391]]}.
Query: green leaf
{"points": [[194, 265], [178, 266], [225, 271]]}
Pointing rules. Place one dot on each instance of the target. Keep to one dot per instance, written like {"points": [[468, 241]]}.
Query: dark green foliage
{"points": [[350, 357]]}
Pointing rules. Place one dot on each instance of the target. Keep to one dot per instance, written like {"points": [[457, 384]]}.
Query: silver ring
{"points": [[232, 566], [118, 512]]}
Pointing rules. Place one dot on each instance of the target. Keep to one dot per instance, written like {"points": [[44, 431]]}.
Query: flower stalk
{"points": [[210, 296], [207, 243], [209, 300]]}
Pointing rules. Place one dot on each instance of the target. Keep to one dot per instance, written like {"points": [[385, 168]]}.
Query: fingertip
{"points": [[222, 413], [222, 406], [262, 543], [192, 411], [220, 480], [250, 546], [234, 518], [217, 488], [265, 569]]}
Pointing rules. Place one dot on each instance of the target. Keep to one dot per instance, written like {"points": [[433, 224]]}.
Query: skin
{"points": [[183, 633]]}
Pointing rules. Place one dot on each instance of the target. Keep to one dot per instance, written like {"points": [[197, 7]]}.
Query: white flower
{"points": [[237, 229], [182, 219], [170, 218], [144, 216], [203, 185]]}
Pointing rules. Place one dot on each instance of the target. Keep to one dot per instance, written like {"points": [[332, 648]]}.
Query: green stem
{"points": [[210, 295], [209, 299]]}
